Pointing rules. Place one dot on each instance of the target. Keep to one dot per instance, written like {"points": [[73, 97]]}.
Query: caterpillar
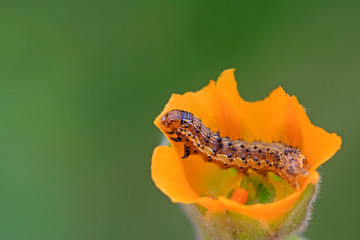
{"points": [[285, 161]]}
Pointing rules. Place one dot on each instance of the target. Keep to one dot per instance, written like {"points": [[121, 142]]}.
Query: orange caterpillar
{"points": [[285, 161]]}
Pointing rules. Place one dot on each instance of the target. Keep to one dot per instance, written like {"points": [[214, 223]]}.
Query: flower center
{"points": [[261, 189], [209, 180]]}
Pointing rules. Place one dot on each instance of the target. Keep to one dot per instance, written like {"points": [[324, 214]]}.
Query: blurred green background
{"points": [[82, 81]]}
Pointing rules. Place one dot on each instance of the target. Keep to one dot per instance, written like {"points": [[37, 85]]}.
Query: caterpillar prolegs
{"points": [[285, 161]]}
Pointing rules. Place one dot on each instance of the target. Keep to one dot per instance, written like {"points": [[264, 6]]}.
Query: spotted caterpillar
{"points": [[285, 161]]}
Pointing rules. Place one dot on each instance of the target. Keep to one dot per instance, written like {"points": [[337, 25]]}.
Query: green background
{"points": [[82, 81]]}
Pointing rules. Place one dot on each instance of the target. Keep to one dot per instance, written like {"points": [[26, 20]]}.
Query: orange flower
{"points": [[279, 117]]}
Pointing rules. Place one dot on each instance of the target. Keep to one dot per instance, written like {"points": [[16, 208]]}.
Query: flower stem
{"points": [[295, 237], [201, 232], [205, 232]]}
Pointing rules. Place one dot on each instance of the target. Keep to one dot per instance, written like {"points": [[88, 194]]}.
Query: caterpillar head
{"points": [[171, 119]]}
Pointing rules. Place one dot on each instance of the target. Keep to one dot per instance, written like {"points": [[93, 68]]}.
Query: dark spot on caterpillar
{"points": [[187, 153], [210, 146], [178, 139]]}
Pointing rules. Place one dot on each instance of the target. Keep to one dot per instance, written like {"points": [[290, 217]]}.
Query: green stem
{"points": [[200, 232], [295, 237]]}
